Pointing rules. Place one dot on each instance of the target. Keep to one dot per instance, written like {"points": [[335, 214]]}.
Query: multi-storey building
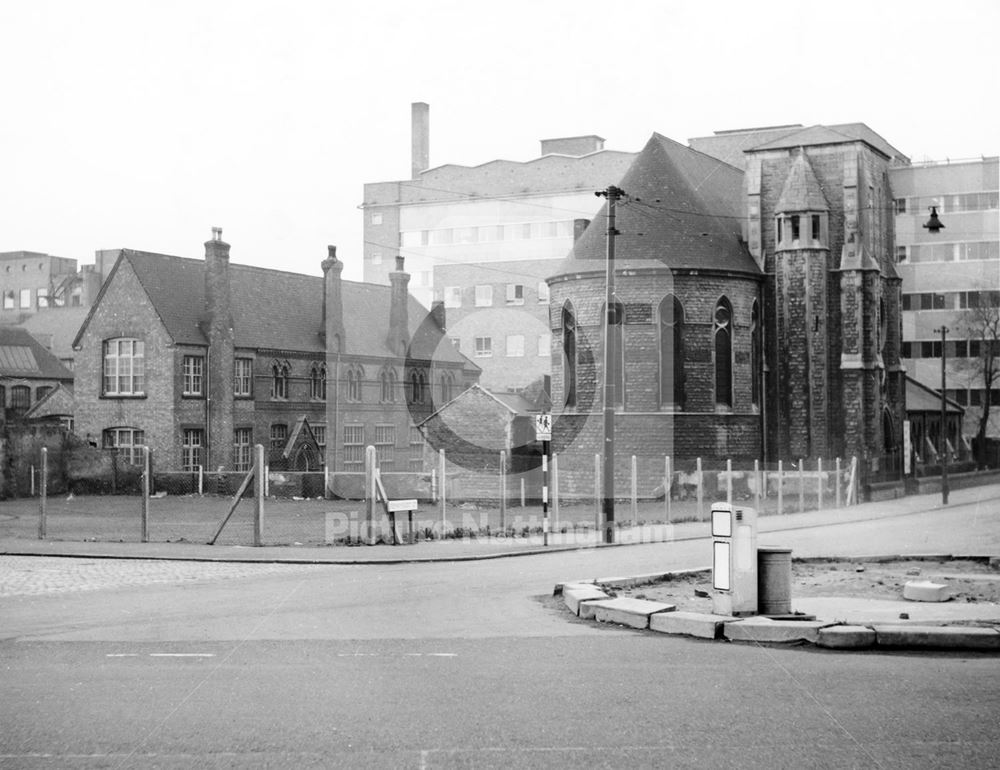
{"points": [[497, 224], [31, 282], [200, 360], [29, 375]]}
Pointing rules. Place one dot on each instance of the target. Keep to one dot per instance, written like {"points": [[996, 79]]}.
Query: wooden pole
{"points": [[42, 494], [258, 518], [146, 467]]}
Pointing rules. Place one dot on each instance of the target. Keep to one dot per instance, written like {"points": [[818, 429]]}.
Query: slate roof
{"points": [[56, 403], [837, 134], [274, 309], [24, 357], [802, 191], [56, 327], [920, 398], [688, 215], [730, 145]]}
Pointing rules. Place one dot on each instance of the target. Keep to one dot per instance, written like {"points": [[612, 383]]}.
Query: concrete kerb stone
{"points": [[577, 593], [650, 577], [697, 624], [937, 637], [634, 613], [846, 637], [761, 629]]}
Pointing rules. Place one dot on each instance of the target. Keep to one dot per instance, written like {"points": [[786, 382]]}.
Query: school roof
{"points": [[24, 357]]}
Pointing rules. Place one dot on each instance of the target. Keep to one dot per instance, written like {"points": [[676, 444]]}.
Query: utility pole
{"points": [[944, 420], [610, 357]]}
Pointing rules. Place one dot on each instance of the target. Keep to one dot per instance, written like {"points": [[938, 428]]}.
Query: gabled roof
{"points": [[684, 210], [802, 190], [276, 310], [837, 134], [56, 403], [920, 398], [24, 357]]}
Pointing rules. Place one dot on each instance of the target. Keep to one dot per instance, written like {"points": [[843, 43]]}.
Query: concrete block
{"points": [[698, 624], [627, 612], [937, 637], [846, 637], [760, 629], [574, 595], [560, 587], [926, 591], [586, 609]]}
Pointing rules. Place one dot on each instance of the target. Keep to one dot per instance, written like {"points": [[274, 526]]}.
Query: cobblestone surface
{"points": [[42, 575]]}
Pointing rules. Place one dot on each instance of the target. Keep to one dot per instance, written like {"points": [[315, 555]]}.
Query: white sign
{"points": [[907, 447], [543, 427]]}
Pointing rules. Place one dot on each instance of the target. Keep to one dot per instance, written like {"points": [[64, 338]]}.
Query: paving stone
{"points": [[698, 624], [846, 637], [938, 637], [627, 612], [574, 595], [760, 629], [926, 591]]}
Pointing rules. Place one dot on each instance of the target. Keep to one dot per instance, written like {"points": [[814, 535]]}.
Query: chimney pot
{"points": [[331, 252], [399, 264], [216, 233]]}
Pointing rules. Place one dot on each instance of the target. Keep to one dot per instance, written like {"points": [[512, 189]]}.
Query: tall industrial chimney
{"points": [[420, 136]]}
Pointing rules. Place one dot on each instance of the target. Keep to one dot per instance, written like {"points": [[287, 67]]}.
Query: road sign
{"points": [[543, 427]]}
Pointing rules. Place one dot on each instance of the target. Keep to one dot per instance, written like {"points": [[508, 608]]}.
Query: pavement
{"points": [[840, 622]]}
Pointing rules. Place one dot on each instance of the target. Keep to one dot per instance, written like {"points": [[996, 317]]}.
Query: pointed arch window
{"points": [[317, 382], [418, 386], [447, 387], [569, 354], [355, 379], [279, 380], [756, 356], [387, 385], [722, 334], [671, 328], [616, 327]]}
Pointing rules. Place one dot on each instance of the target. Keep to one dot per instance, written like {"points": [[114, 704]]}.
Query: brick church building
{"points": [[757, 310]]}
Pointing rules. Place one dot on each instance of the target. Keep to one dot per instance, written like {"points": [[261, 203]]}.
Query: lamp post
{"points": [[944, 419]]}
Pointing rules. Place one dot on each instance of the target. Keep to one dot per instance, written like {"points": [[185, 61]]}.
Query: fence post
{"points": [[668, 479], [635, 492], [258, 511], [802, 485], [43, 496], [837, 484], [729, 480], [503, 491], [522, 491], [852, 492], [267, 480], [756, 485], [326, 482], [367, 531], [781, 487], [145, 494], [555, 490], [597, 496], [819, 483], [32, 480], [701, 489], [434, 485], [442, 491], [201, 480]]}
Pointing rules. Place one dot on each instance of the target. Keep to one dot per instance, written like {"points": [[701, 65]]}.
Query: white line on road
{"points": [[182, 654], [122, 655]]}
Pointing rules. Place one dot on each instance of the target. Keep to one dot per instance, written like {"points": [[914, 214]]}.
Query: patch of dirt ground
{"points": [[970, 581]]}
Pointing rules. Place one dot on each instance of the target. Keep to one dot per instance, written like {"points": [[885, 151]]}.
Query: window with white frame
{"points": [[484, 295], [545, 345], [354, 447], [9, 299], [515, 294], [128, 442], [42, 297], [191, 448], [124, 367], [242, 449], [453, 296], [385, 446], [484, 347], [416, 449], [515, 345], [25, 299], [543, 293], [194, 375], [243, 378]]}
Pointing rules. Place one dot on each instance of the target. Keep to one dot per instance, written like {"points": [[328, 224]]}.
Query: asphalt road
{"points": [[141, 664]]}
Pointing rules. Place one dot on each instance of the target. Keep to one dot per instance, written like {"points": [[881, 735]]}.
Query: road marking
{"points": [[122, 655], [182, 654]]}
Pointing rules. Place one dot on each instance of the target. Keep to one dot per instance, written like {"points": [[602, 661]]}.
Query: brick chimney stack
{"points": [[333, 302], [420, 137], [221, 353], [399, 322], [438, 313]]}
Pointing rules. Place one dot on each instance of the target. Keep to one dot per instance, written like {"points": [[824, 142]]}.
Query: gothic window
{"points": [[671, 323], [387, 382], [723, 345], [418, 386], [279, 380], [317, 382], [756, 355], [569, 354], [447, 387], [355, 377]]}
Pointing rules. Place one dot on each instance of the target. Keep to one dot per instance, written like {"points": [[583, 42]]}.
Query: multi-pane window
{"points": [[242, 448], [124, 367], [515, 294], [42, 297], [25, 299], [20, 399], [354, 447], [279, 380], [484, 347], [756, 356], [243, 378], [194, 375], [128, 442], [416, 449], [453, 296], [387, 385], [42, 392], [385, 446], [191, 448], [279, 435], [317, 382], [515, 345], [484, 295], [319, 433]]}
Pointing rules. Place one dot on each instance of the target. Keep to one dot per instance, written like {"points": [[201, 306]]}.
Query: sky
{"points": [[143, 125]]}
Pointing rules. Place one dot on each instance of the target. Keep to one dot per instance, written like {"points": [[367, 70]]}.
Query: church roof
{"points": [[802, 191], [683, 209], [836, 134]]}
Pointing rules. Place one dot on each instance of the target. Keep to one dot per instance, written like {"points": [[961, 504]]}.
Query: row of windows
{"points": [[20, 397], [973, 396], [385, 447], [21, 299], [950, 204], [967, 251], [514, 347], [487, 234], [673, 339], [951, 300], [953, 348], [483, 295]]}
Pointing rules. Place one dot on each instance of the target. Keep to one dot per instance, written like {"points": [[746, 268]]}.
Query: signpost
{"points": [[543, 433]]}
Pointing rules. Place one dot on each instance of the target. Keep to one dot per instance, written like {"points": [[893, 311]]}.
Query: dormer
{"points": [[802, 214]]}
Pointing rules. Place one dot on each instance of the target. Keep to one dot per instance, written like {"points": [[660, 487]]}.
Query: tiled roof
{"points": [[22, 356], [273, 309], [920, 398], [57, 402], [56, 327], [730, 145], [685, 210], [802, 191], [838, 134]]}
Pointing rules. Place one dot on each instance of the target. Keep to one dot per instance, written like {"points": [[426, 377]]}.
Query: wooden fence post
{"points": [[146, 468], [667, 484], [837, 484], [781, 488], [503, 491], [802, 485], [819, 483], [43, 494], [258, 511], [635, 491], [701, 489]]}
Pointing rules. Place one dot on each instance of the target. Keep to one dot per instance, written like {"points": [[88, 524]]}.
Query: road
{"points": [[147, 664]]}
